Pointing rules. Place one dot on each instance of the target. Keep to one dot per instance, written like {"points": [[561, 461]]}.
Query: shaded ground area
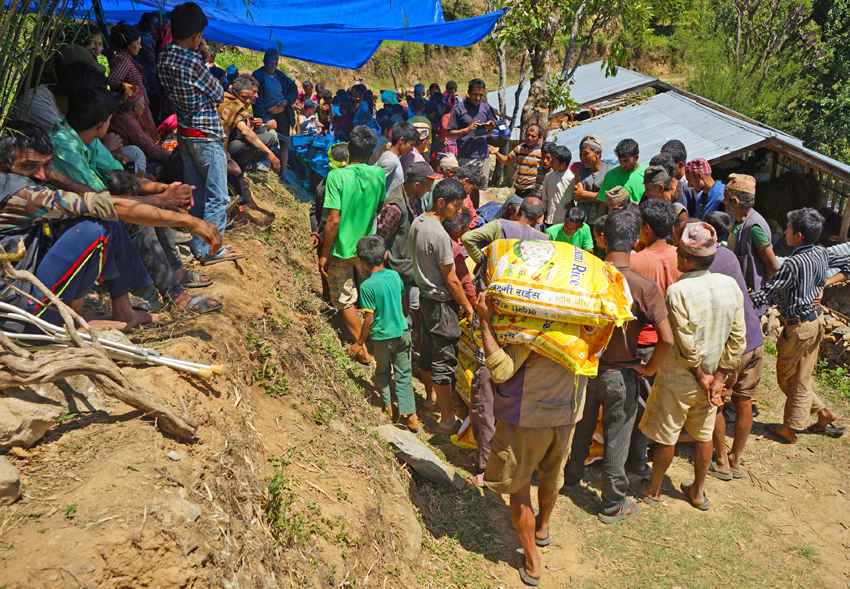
{"points": [[288, 487]]}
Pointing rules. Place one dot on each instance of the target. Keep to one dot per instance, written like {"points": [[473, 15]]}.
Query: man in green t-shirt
{"points": [[352, 197], [629, 174], [573, 230]]}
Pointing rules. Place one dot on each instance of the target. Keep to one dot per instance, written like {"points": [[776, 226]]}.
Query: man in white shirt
{"points": [[558, 186]]}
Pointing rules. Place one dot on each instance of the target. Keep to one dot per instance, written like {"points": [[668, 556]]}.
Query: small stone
{"points": [[174, 456], [90, 568], [10, 482], [842, 491], [183, 510], [338, 426]]}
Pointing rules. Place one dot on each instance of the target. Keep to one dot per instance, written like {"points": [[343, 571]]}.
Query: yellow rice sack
{"points": [[464, 438], [575, 347], [463, 390], [555, 281], [465, 346], [466, 367]]}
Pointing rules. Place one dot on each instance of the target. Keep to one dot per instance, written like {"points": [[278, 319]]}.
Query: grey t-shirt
{"points": [[591, 182], [431, 248], [391, 165]]}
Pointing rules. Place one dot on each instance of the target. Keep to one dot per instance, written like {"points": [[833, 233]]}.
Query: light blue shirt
{"points": [[715, 198]]}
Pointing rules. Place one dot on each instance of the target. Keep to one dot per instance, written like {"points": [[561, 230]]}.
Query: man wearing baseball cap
{"points": [[400, 208], [709, 192], [706, 312]]}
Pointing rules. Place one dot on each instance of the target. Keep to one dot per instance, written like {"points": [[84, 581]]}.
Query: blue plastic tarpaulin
{"points": [[341, 34]]}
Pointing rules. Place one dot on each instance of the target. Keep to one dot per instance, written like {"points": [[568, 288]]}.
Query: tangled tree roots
{"points": [[20, 367]]}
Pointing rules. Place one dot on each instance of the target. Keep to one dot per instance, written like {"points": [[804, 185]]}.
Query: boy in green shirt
{"points": [[384, 321], [629, 174], [573, 230]]}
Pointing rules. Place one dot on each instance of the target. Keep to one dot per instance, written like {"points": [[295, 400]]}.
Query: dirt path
{"points": [[286, 486]]}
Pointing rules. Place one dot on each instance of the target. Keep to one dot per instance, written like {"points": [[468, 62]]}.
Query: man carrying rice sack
{"points": [[537, 404], [555, 281], [616, 387]]}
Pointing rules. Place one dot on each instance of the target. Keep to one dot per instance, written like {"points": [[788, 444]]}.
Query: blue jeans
{"points": [[205, 167]]}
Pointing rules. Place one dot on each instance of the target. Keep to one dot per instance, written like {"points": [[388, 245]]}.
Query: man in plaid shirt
{"points": [[195, 92]]}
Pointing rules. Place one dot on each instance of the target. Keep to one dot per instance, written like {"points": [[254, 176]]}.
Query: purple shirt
{"points": [[726, 263], [463, 114]]}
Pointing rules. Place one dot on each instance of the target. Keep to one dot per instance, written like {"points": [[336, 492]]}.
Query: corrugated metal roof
{"points": [[589, 87], [706, 132]]}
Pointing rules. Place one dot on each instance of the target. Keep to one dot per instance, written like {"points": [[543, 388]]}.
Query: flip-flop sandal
{"points": [[723, 476], [644, 474], [773, 428], [193, 280], [203, 304], [452, 430], [540, 541], [146, 300], [737, 474], [624, 513], [222, 256], [833, 431], [645, 498], [180, 237], [526, 578], [685, 487]]}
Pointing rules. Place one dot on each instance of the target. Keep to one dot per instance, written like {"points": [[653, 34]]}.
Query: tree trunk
{"points": [[536, 109]]}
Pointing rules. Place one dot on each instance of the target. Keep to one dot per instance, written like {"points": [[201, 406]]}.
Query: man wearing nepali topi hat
{"points": [[706, 312], [709, 192], [750, 237]]}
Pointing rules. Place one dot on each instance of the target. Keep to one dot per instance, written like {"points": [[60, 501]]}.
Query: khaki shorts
{"points": [[341, 281], [516, 452], [743, 381], [668, 412]]}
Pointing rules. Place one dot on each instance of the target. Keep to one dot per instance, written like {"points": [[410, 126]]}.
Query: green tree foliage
{"points": [[825, 117], [534, 26], [782, 62]]}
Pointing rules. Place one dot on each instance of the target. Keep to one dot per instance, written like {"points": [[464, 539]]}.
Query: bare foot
{"points": [[645, 489], [363, 357], [103, 325], [826, 416], [137, 318], [388, 411], [430, 403], [412, 422]]}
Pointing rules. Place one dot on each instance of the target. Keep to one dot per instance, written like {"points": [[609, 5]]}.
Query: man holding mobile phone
{"points": [[470, 123]]}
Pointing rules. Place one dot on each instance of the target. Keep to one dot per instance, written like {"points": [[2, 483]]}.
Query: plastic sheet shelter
{"points": [[345, 33]]}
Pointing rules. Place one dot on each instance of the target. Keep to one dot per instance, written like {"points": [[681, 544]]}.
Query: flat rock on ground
{"points": [[420, 457]]}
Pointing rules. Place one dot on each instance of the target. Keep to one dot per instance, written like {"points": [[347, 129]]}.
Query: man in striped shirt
{"points": [[794, 288], [528, 157]]}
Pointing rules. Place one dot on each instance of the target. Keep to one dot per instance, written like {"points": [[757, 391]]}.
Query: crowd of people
{"points": [[92, 181]]}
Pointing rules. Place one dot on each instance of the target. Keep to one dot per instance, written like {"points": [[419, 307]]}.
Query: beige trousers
{"points": [[796, 358]]}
